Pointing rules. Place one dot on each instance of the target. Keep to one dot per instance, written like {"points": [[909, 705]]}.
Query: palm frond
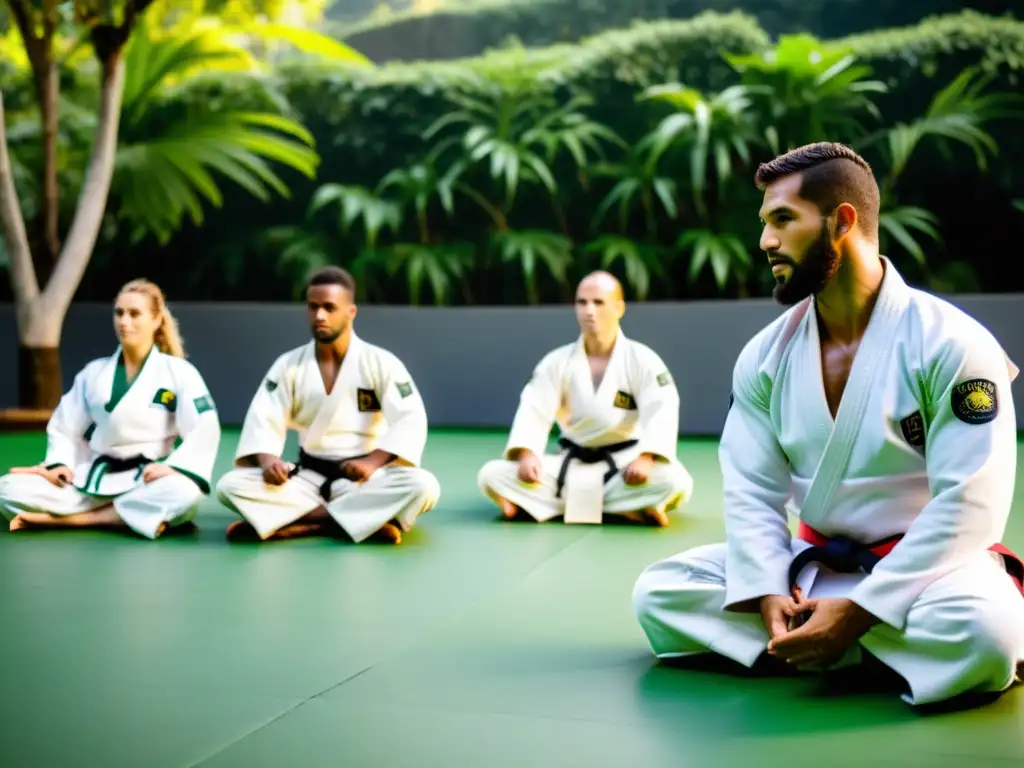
{"points": [[160, 180]]}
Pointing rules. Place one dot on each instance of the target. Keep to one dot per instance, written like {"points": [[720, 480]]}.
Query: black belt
{"points": [[329, 468], [589, 456], [115, 464], [840, 554]]}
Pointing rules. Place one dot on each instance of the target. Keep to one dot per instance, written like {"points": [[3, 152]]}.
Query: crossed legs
{"points": [[963, 635], [148, 509], [668, 487], [387, 504]]}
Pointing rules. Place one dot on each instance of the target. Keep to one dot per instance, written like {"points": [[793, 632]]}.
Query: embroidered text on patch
{"points": [[913, 429], [975, 401]]}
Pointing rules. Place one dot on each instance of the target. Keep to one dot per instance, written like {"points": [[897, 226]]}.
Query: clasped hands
{"points": [[635, 473], [812, 631], [277, 471]]}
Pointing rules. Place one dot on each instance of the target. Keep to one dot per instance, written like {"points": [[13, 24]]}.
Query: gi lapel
{"points": [[342, 389], [874, 348], [113, 379]]}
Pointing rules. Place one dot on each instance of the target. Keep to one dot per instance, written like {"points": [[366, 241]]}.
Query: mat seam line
{"points": [[560, 551], [278, 716]]}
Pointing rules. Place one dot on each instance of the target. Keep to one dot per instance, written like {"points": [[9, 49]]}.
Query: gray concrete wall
{"points": [[470, 363]]}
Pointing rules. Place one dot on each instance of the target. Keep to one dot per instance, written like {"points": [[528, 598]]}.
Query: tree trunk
{"points": [[48, 94], [37, 24], [92, 200], [40, 384], [41, 315], [39, 378]]}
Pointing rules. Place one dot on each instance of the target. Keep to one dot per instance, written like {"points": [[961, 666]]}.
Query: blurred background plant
{"points": [[496, 162]]}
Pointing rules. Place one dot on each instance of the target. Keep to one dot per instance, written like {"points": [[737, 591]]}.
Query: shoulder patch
{"points": [[368, 400], [166, 398], [625, 400], [975, 401], [664, 379], [913, 429], [203, 404], [270, 385], [404, 388]]}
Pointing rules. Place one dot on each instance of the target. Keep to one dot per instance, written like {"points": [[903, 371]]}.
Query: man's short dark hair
{"points": [[831, 174], [333, 276]]}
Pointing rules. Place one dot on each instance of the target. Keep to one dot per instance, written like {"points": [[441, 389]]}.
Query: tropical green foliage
{"points": [[173, 156], [543, 189], [502, 178], [168, 170], [410, 30]]}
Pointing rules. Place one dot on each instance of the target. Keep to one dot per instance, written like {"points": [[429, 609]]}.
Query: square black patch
{"points": [[625, 400], [270, 384], [368, 400], [913, 429], [404, 388]]}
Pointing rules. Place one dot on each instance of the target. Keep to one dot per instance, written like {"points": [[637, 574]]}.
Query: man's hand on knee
{"points": [[638, 471], [529, 467], [276, 471]]}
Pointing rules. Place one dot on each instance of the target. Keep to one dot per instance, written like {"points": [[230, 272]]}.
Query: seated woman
{"points": [[133, 443]]}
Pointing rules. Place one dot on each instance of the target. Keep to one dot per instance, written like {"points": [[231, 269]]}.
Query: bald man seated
{"points": [[617, 409]]}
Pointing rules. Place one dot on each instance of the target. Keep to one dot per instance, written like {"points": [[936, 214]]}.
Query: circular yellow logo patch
{"points": [[975, 401]]}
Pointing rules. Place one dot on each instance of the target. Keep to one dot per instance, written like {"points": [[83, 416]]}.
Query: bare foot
{"points": [[298, 530], [389, 533], [649, 516], [656, 517], [508, 509], [240, 530], [19, 524]]}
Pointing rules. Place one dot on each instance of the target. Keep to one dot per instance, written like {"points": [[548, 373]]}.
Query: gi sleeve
{"points": [[538, 404], [198, 429], [970, 455], [757, 480], [658, 404], [404, 411], [265, 429], [66, 443]]}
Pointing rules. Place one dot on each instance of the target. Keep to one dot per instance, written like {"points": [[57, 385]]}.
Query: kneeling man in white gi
{"points": [[882, 417], [362, 430], [618, 410]]}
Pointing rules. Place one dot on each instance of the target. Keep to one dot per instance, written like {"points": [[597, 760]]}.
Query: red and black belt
{"points": [[844, 555]]}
